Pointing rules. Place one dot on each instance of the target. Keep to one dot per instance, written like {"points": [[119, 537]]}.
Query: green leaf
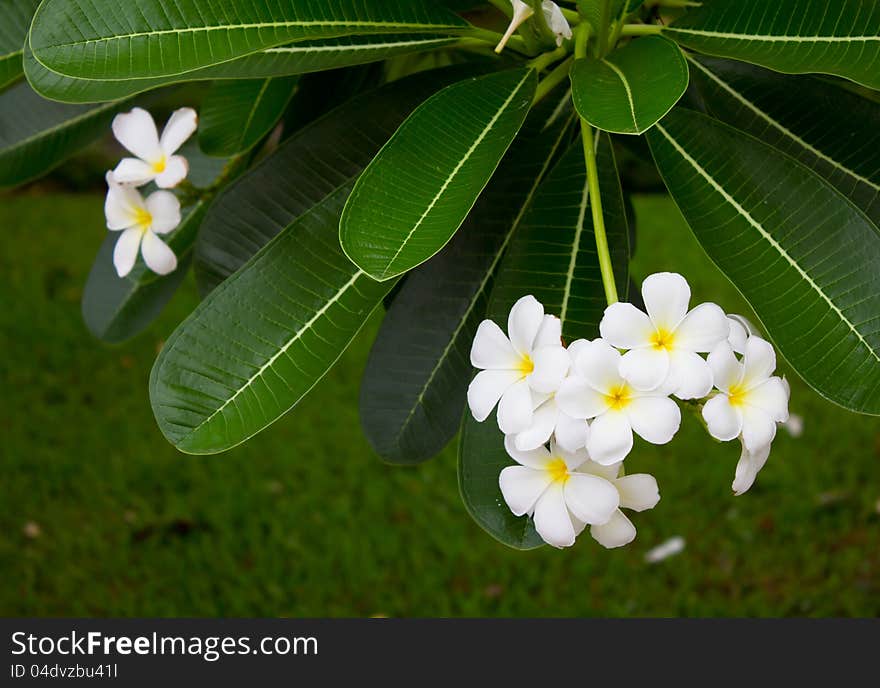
{"points": [[36, 135], [303, 171], [553, 257], [238, 113], [792, 36], [414, 388], [15, 18], [807, 127], [631, 89], [802, 254], [412, 198], [106, 39], [264, 338], [298, 58]]}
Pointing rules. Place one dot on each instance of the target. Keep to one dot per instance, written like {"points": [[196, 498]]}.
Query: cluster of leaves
{"points": [[418, 168]]}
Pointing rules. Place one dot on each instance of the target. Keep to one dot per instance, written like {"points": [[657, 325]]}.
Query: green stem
{"points": [[672, 3], [543, 61], [540, 21], [604, 25], [504, 6], [553, 79], [640, 29], [605, 266]]}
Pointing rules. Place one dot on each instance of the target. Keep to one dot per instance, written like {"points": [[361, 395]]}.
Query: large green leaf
{"points": [[263, 338], [106, 39], [36, 134], [303, 171], [415, 384], [298, 58], [237, 113], [803, 255], [628, 91], [841, 37], [412, 198], [553, 257], [808, 127], [15, 18]]}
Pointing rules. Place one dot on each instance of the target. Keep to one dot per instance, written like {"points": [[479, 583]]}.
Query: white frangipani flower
{"points": [[751, 401], [548, 485], [521, 12], [531, 360], [556, 21], [141, 221], [155, 157], [664, 343], [638, 492], [596, 389]]}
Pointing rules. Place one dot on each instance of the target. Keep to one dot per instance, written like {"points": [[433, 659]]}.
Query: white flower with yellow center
{"points": [[751, 400], [140, 221], [665, 343], [556, 21], [531, 360], [548, 485], [596, 389], [155, 157]]}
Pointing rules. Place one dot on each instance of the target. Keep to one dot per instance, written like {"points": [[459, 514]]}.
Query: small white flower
{"points": [[556, 21], [751, 401], [155, 159], [596, 389], [521, 12], [531, 360], [142, 220], [664, 343], [548, 485]]}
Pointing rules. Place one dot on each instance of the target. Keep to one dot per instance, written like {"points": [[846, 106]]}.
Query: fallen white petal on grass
{"points": [[664, 550]]}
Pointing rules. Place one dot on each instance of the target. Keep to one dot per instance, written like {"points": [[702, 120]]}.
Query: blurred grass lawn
{"points": [[100, 516]]}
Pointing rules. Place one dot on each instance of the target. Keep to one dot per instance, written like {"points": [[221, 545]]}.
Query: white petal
{"points": [[758, 429], [573, 459], [549, 334], [521, 487], [176, 169], [543, 424], [702, 329], [164, 208], [654, 419], [748, 467], [551, 366], [611, 438], [515, 408], [724, 422], [772, 398], [590, 498], [599, 364], [759, 361], [492, 349], [133, 171], [579, 400], [638, 492], [125, 252], [552, 520], [690, 375], [571, 433], [486, 389], [666, 296], [158, 255], [556, 21], [617, 532], [609, 472], [537, 458], [575, 349], [726, 370], [523, 323], [645, 369], [122, 206], [136, 130], [178, 129], [625, 326], [738, 334]]}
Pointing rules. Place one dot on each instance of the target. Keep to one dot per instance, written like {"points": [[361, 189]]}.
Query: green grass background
{"points": [[100, 516]]}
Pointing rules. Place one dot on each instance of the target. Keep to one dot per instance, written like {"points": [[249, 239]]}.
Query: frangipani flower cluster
{"points": [[140, 220], [569, 414]]}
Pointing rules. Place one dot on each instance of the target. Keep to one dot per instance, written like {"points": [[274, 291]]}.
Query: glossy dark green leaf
{"points": [[236, 114], [793, 36], [15, 18], [414, 388], [830, 130], [402, 211], [628, 91], [803, 255]]}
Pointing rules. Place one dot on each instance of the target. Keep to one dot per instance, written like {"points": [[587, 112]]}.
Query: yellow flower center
{"points": [[526, 365], [663, 340], [619, 397], [142, 218], [159, 165], [558, 471], [737, 395]]}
